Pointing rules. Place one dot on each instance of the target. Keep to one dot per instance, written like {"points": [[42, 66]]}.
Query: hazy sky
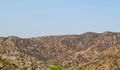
{"points": [[31, 18]]}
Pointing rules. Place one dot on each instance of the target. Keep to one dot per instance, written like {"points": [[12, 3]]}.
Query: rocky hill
{"points": [[88, 51]]}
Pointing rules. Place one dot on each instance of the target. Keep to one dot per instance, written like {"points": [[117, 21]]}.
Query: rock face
{"points": [[90, 51]]}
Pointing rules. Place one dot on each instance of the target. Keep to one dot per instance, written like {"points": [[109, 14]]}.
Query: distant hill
{"points": [[88, 51]]}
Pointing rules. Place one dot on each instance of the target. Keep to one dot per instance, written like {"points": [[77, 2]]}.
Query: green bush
{"points": [[55, 67], [58, 67], [7, 65], [70, 68]]}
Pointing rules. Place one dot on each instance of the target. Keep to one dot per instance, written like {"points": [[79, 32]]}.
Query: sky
{"points": [[34, 18]]}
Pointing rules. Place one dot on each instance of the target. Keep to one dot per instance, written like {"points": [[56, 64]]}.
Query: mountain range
{"points": [[88, 51]]}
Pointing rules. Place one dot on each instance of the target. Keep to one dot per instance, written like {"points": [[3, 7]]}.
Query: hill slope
{"points": [[80, 51]]}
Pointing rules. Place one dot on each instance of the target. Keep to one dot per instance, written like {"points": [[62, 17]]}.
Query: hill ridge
{"points": [[66, 50]]}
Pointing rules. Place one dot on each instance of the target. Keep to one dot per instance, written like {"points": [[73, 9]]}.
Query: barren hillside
{"points": [[88, 51]]}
